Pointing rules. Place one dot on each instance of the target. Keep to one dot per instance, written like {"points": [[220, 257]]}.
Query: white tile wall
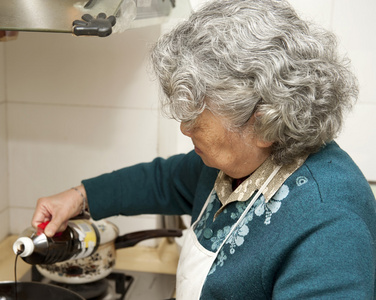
{"points": [[171, 140], [2, 73], [77, 107], [54, 147], [68, 70], [317, 11], [3, 161], [353, 22], [4, 204], [359, 138], [4, 230]]}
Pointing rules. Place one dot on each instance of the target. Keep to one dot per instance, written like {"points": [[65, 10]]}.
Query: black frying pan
{"points": [[35, 291]]}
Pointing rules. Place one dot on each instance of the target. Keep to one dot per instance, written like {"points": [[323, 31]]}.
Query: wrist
{"points": [[84, 205]]}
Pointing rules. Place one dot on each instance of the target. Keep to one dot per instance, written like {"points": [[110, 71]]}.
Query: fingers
{"points": [[41, 214], [56, 225], [87, 17], [101, 16], [57, 209]]}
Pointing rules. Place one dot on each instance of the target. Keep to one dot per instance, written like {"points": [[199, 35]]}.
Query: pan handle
{"points": [[131, 239]]}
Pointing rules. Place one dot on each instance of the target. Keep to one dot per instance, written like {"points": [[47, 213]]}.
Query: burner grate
{"points": [[122, 283], [135, 285], [97, 290]]}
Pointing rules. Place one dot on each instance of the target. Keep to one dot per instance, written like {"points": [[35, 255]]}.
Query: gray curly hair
{"points": [[241, 56]]}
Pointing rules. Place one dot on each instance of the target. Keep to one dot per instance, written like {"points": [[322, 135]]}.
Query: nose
{"points": [[185, 129]]}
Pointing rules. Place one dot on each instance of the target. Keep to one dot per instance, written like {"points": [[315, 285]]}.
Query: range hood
{"points": [[93, 17]]}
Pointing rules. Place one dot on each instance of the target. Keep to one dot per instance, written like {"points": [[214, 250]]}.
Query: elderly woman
{"points": [[278, 210]]}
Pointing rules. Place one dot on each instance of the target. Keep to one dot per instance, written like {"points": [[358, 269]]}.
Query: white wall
{"points": [[171, 140], [353, 22], [76, 108], [4, 205], [73, 108]]}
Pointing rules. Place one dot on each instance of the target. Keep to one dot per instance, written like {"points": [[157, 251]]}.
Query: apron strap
{"points": [[245, 212]]}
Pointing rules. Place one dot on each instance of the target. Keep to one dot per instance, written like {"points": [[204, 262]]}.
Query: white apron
{"points": [[195, 261]]}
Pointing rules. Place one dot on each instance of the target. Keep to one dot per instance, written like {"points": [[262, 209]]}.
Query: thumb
{"points": [[54, 226]]}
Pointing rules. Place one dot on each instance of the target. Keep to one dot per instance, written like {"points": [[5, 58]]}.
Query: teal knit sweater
{"points": [[315, 239]]}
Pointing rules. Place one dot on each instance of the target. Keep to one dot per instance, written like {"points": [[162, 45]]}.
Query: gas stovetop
{"points": [[119, 285]]}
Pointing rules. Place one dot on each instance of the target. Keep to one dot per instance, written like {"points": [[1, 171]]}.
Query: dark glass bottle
{"points": [[80, 239]]}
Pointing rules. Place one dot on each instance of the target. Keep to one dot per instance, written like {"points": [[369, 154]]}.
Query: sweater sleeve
{"points": [[163, 186], [332, 257]]}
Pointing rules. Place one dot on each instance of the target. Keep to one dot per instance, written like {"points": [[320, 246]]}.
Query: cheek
{"points": [[221, 148], [216, 143]]}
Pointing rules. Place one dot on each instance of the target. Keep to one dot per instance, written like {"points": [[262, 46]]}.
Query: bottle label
{"points": [[87, 236]]}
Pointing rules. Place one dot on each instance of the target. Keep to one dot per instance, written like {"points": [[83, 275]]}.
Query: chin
{"points": [[207, 162]]}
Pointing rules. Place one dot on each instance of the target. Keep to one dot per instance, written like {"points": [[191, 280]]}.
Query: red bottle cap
{"points": [[42, 226]]}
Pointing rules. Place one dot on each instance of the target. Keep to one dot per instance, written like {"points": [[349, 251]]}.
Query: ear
{"points": [[263, 144], [259, 142]]}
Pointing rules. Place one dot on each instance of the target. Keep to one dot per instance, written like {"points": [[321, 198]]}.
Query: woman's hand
{"points": [[58, 209]]}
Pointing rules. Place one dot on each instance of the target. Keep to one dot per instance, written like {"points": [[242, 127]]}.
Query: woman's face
{"points": [[237, 154]]}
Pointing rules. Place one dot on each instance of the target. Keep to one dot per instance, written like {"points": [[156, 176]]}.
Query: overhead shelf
{"points": [[59, 15]]}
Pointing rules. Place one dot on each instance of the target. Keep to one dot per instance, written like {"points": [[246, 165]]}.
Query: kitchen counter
{"points": [[162, 259]]}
